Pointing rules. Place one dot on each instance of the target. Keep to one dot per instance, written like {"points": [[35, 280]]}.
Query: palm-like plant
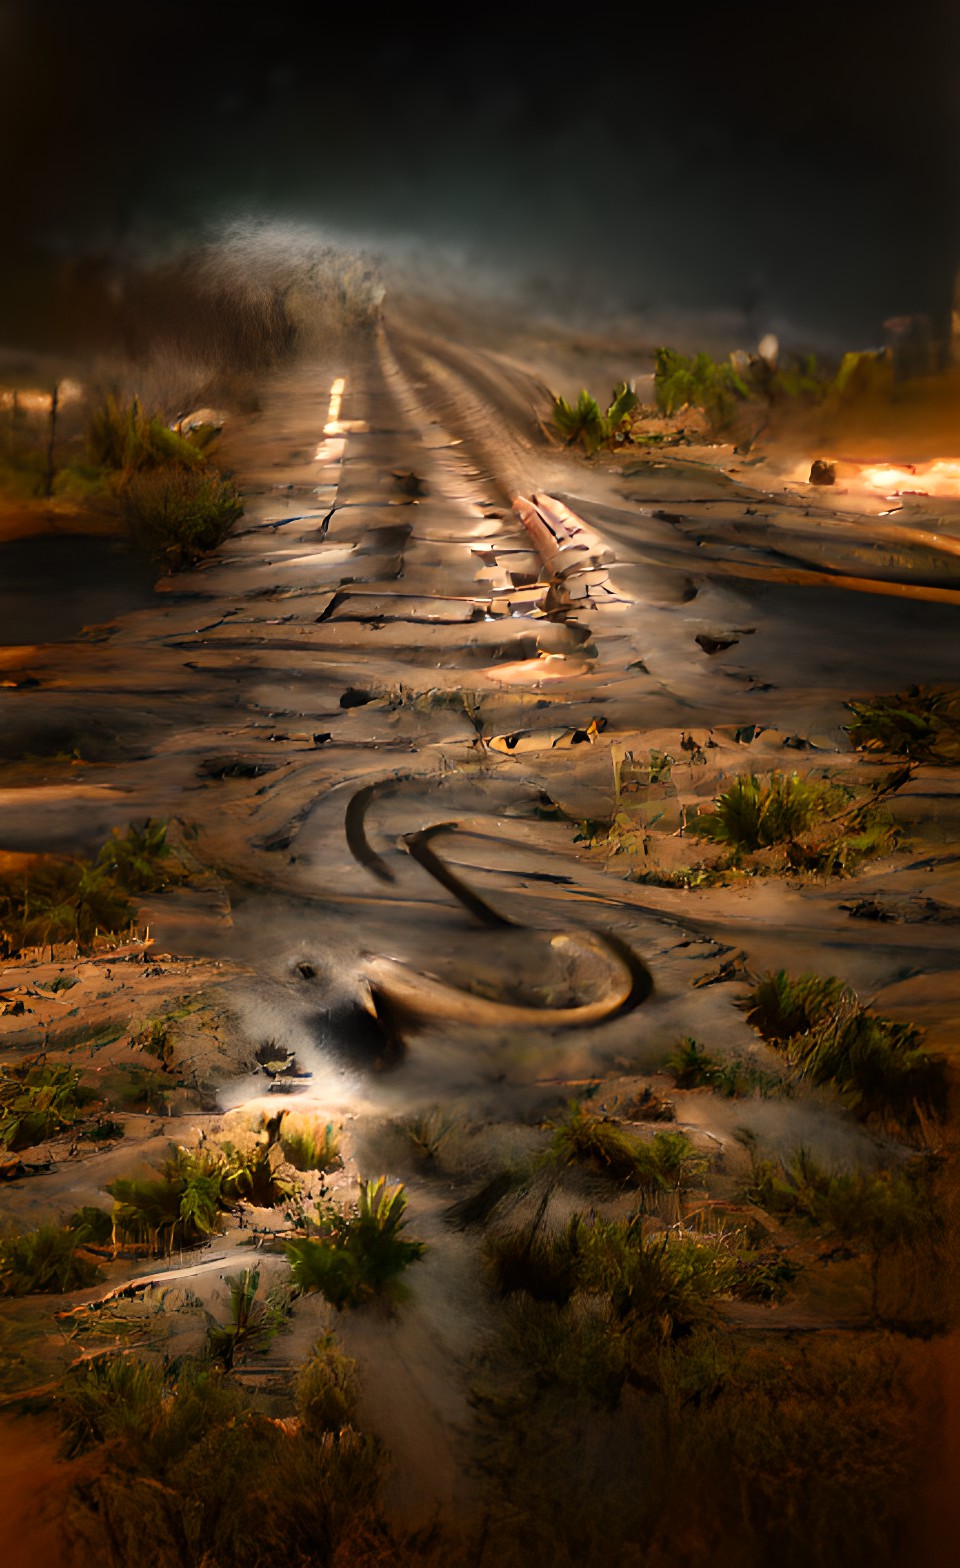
{"points": [[251, 1323], [358, 1256], [585, 421]]}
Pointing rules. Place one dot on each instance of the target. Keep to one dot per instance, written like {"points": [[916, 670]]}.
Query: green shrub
{"points": [[779, 1007], [139, 859], [174, 514], [360, 1255], [56, 900], [252, 1177], [820, 826], [580, 1352], [883, 1211], [188, 1474], [326, 1392], [428, 1131], [584, 421], [741, 391], [45, 1259], [182, 1202], [755, 814], [920, 724], [309, 1143], [37, 1102], [693, 1067], [713, 386], [95, 1224], [110, 1399], [60, 901]]}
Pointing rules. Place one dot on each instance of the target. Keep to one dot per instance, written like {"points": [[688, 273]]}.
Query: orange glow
{"points": [[940, 477]]}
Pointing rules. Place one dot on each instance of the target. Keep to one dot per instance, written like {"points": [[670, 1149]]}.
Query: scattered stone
{"points": [[822, 472]]}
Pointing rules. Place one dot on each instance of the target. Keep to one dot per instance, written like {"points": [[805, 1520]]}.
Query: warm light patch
{"points": [[939, 477], [337, 389]]}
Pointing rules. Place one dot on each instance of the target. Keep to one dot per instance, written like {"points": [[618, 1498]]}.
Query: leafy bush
{"points": [[584, 421], [360, 1255], [36, 1102], [177, 514], [879, 1066], [310, 1144], [326, 1391], [45, 1259], [920, 724], [183, 1202]]}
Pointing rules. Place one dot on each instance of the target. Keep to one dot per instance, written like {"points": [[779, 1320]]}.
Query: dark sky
{"points": [[804, 156]]}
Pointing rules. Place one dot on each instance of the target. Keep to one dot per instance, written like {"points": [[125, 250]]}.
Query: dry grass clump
{"points": [[879, 1067], [310, 1144]]}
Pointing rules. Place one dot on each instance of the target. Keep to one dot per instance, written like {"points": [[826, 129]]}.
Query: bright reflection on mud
{"points": [[940, 477]]}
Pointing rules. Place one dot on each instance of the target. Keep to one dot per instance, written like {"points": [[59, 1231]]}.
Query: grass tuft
{"points": [[310, 1144], [47, 1259], [878, 1066]]}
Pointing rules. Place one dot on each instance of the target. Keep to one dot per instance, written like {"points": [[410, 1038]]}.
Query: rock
{"points": [[822, 472]]}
